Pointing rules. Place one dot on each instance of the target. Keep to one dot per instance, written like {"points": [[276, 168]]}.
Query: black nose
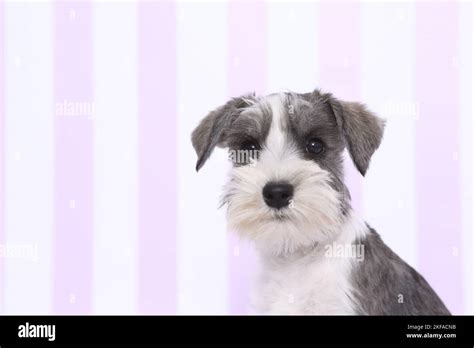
{"points": [[277, 195]]}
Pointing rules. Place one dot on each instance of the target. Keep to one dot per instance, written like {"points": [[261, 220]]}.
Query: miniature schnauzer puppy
{"points": [[290, 199]]}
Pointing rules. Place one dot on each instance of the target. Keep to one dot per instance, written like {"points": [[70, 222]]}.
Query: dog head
{"points": [[286, 189]]}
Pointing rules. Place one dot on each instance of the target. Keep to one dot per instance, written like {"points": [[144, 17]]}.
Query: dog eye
{"points": [[315, 146], [249, 145]]}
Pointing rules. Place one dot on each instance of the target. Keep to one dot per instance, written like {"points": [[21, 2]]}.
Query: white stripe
{"points": [[466, 131], [388, 63], [115, 159], [202, 86], [29, 157], [292, 47]]}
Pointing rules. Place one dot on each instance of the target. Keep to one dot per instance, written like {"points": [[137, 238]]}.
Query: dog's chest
{"points": [[321, 287]]}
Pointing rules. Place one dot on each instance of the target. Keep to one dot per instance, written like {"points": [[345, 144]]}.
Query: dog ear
{"points": [[362, 130], [212, 129]]}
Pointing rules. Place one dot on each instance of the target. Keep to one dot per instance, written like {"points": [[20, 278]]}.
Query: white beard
{"points": [[313, 216], [309, 282]]}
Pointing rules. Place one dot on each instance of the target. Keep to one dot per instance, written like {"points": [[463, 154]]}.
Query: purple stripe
{"points": [[157, 158], [2, 149], [339, 59], [247, 66], [73, 159], [437, 150]]}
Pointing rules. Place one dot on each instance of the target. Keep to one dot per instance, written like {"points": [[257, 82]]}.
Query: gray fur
{"points": [[358, 129], [211, 131], [362, 130], [312, 116], [383, 276], [253, 123]]}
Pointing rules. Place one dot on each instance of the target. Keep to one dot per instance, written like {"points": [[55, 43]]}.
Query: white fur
{"points": [[309, 282], [275, 142]]}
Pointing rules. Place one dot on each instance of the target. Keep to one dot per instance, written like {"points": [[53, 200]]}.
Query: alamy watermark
{"points": [[28, 330], [407, 108], [243, 157], [19, 251], [76, 109], [338, 250]]}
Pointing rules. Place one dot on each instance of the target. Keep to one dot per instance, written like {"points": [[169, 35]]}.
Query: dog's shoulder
{"points": [[385, 284]]}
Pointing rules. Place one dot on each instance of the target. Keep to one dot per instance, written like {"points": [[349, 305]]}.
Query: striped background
{"points": [[97, 179]]}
